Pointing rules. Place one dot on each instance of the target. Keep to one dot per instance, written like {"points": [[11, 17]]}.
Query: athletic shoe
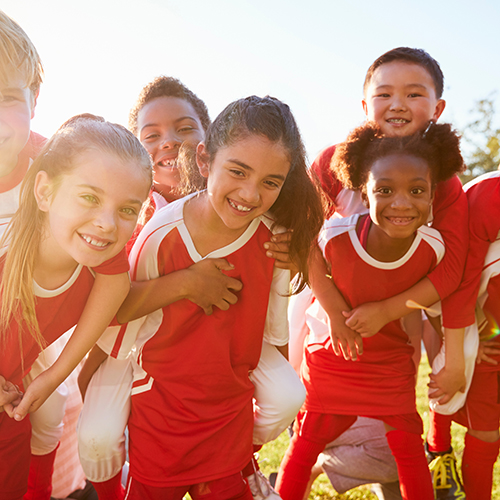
{"points": [[445, 479], [261, 488]]}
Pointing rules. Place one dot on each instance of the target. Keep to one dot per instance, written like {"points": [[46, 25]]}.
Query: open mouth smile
{"points": [[99, 244], [240, 208], [400, 221]]}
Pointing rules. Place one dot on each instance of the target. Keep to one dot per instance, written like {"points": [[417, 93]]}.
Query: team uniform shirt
{"points": [[449, 216], [481, 410], [382, 381], [10, 185], [483, 195], [192, 415]]}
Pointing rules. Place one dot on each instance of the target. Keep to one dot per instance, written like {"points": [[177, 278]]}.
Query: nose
{"points": [[398, 103], [170, 141], [106, 220], [401, 201], [250, 192]]}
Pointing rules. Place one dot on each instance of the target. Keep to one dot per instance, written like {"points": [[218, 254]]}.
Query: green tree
{"points": [[483, 139]]}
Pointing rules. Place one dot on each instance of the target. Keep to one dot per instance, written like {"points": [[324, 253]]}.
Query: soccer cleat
{"points": [[261, 488], [445, 479]]}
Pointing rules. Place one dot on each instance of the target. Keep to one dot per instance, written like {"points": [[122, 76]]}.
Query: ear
{"points": [[33, 103], [202, 159], [441, 104], [365, 106], [43, 190]]}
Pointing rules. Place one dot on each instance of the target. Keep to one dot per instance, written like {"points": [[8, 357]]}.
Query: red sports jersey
{"points": [[382, 381], [192, 415], [57, 311], [449, 217], [483, 195]]}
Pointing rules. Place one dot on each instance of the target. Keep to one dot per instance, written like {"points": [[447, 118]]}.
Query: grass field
{"points": [[272, 453]]}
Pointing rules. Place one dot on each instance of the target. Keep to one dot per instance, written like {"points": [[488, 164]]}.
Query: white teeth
{"points": [[91, 241], [397, 120], [239, 207]]}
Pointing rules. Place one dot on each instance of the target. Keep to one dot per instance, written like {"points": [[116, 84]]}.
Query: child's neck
{"points": [[383, 248], [207, 230], [52, 269]]}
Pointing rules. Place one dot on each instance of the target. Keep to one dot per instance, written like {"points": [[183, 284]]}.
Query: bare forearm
{"points": [[423, 293]]}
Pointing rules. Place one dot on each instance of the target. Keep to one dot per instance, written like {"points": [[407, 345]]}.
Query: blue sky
{"points": [[98, 54]]}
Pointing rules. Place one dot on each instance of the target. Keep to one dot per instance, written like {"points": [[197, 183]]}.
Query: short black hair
{"points": [[412, 56]]}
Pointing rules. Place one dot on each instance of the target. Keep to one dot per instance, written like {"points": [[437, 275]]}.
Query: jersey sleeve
{"points": [[117, 265], [276, 327], [484, 225], [450, 212], [329, 183]]}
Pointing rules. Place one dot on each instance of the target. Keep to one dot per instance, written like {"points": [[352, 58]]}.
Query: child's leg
{"points": [[480, 454], [15, 456], [439, 437], [102, 425], [312, 431], [47, 426], [279, 395], [414, 477]]}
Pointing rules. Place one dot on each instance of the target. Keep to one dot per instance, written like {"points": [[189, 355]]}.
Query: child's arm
{"points": [[367, 319], [451, 378], [202, 283], [95, 358], [344, 340], [106, 296]]}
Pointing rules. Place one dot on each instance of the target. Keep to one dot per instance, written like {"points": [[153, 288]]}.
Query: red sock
{"points": [[477, 467], [439, 435], [414, 476], [111, 489], [40, 476], [295, 468]]}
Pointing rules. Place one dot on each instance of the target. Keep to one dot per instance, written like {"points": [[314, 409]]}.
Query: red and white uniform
{"points": [[449, 216], [382, 381], [192, 415], [57, 311]]}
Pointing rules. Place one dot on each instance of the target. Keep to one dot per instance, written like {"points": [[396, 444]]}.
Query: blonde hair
{"points": [[18, 55], [27, 227]]}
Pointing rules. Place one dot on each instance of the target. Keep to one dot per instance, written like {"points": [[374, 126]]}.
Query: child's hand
{"points": [[10, 396], [366, 319], [345, 341], [279, 248], [211, 287], [36, 394], [486, 349], [445, 384]]}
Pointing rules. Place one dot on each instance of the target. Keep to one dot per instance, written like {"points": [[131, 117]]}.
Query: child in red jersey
{"points": [[402, 94], [166, 118], [392, 249], [77, 211], [481, 412], [192, 380]]}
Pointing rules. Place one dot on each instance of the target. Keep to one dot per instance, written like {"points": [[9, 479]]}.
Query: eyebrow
{"points": [[175, 121], [248, 167], [101, 191], [415, 179], [387, 86]]}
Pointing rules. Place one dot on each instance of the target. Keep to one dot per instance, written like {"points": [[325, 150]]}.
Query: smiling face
{"points": [[93, 210], [399, 192], [163, 124], [17, 108], [244, 180], [401, 98]]}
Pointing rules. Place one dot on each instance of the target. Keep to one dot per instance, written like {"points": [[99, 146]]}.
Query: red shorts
{"points": [[15, 456], [481, 411], [232, 487], [324, 427]]}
